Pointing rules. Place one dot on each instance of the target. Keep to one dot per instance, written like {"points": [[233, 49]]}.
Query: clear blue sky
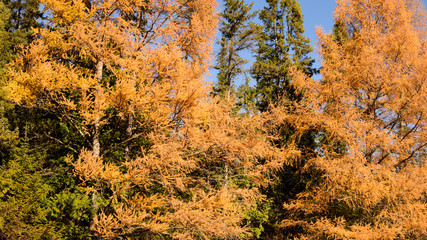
{"points": [[316, 13]]}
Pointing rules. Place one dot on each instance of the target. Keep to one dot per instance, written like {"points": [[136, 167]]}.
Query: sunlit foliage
{"points": [[369, 108]]}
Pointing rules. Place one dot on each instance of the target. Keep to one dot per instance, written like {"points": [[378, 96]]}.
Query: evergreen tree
{"points": [[23, 17], [4, 35], [339, 32], [280, 46], [8, 137], [237, 32], [37, 202]]}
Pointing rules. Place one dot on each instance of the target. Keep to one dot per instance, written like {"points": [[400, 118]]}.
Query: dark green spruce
{"points": [[237, 32], [281, 44]]}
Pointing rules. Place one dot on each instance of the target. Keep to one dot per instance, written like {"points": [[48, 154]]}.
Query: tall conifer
{"points": [[280, 45], [237, 32]]}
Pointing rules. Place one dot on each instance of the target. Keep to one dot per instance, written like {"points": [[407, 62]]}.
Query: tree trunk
{"points": [[96, 149], [129, 134], [96, 145], [226, 172]]}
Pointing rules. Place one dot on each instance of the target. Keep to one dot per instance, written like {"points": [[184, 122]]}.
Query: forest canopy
{"points": [[109, 128]]}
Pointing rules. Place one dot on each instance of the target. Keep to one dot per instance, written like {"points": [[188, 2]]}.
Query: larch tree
{"points": [[370, 112], [237, 35], [16, 20], [98, 68], [281, 45], [136, 65]]}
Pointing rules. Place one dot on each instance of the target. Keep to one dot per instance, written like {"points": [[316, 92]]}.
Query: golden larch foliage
{"points": [[369, 109], [144, 61]]}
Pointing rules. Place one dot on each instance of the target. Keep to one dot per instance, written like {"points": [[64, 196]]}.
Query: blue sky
{"points": [[316, 13]]}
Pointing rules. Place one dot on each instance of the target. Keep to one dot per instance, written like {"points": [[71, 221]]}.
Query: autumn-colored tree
{"points": [[369, 108], [131, 71], [16, 20]]}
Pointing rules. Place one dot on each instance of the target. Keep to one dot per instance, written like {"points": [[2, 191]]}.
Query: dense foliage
{"points": [[369, 108], [109, 129]]}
